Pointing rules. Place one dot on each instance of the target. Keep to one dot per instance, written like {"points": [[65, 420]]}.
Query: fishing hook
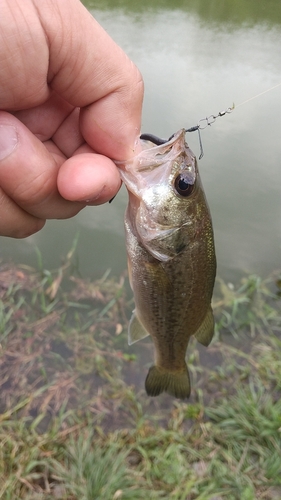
{"points": [[158, 141]]}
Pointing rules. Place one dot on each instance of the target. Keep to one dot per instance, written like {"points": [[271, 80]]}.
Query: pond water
{"points": [[197, 58]]}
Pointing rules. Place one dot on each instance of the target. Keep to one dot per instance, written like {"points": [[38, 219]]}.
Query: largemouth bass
{"points": [[171, 258]]}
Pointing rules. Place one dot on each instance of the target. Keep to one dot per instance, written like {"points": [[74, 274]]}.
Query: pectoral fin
{"points": [[205, 332], [136, 330]]}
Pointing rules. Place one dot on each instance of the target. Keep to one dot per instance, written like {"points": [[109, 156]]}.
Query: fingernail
{"points": [[8, 140], [94, 198]]}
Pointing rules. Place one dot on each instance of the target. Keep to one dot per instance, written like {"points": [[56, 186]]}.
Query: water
{"points": [[197, 58]]}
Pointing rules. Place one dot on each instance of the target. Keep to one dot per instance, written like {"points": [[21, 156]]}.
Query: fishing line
{"points": [[209, 120], [258, 95]]}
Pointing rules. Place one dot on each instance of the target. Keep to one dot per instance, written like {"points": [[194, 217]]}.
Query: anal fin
{"points": [[205, 332], [136, 330]]}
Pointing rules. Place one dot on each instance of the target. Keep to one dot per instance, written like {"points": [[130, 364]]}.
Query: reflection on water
{"points": [[229, 12], [196, 58]]}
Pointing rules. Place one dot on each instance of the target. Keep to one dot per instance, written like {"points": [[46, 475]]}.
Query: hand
{"points": [[70, 100]]}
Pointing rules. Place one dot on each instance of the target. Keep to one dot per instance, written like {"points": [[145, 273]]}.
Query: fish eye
{"points": [[182, 185]]}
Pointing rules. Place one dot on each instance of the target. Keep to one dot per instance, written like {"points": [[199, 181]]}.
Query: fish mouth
{"points": [[157, 142], [150, 149], [168, 151], [142, 170]]}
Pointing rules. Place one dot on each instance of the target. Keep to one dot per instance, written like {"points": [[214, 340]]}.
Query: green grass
{"points": [[76, 424]]}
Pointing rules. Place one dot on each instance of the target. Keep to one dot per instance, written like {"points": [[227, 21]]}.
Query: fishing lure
{"points": [[209, 121]]}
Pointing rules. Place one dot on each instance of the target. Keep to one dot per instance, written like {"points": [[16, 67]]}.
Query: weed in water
{"points": [[89, 471], [75, 422]]}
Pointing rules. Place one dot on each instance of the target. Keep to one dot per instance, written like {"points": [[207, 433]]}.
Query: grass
{"points": [[75, 422]]}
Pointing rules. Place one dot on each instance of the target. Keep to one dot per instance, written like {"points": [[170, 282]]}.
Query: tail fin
{"points": [[174, 383]]}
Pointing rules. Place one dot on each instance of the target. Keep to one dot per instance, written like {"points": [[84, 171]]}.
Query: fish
{"points": [[171, 258]]}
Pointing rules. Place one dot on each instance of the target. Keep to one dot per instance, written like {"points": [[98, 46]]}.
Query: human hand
{"points": [[70, 100]]}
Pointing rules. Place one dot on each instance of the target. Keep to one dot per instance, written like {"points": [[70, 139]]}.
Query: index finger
{"points": [[89, 70]]}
